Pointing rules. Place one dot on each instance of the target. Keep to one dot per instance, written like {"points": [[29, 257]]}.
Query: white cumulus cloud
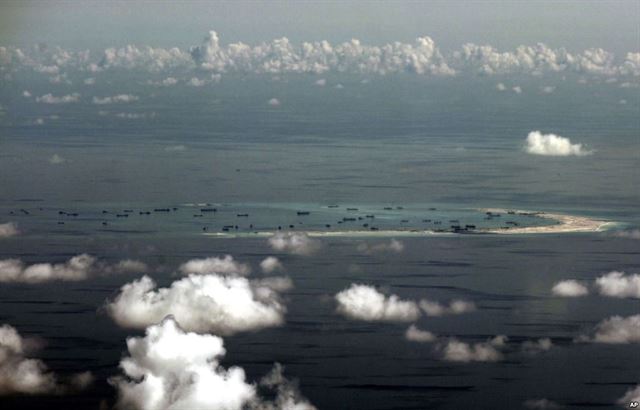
{"points": [[19, 374], [270, 264], [615, 330], [80, 267], [535, 346], [569, 288], [553, 145], [170, 369], [215, 265], [363, 302], [297, 243], [619, 285], [200, 302], [56, 159], [456, 307], [120, 98], [8, 230], [454, 350], [414, 334], [64, 99], [632, 395]]}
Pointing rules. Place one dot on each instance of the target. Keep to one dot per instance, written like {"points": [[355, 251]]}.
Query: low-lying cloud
{"points": [[613, 284], [9, 229], [78, 268], [271, 264], [456, 307], [541, 404], [19, 374], [296, 243], [170, 368], [394, 246], [215, 265], [414, 334], [200, 302], [632, 395], [64, 99], [454, 350], [363, 302], [120, 98], [619, 285], [615, 330], [553, 145], [569, 288]]}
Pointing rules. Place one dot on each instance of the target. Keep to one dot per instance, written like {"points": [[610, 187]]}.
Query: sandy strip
{"points": [[333, 234], [565, 224]]}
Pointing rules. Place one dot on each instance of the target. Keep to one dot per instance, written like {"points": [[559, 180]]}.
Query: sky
{"points": [[576, 25]]}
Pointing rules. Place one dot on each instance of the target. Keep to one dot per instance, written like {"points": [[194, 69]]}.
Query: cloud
{"points": [[456, 351], [89, 81], [56, 159], [549, 89], [78, 268], [276, 283], [553, 145], [456, 307], [632, 395], [629, 234], [517, 89], [200, 302], [279, 56], [215, 265], [569, 288], [539, 59], [288, 396], [541, 404], [501, 87], [169, 368], [120, 98], [321, 82], [615, 330], [540, 345], [169, 81], [619, 285], [196, 82], [392, 246], [270, 264], [65, 99], [26, 94], [175, 148], [9, 229], [297, 243], [414, 334], [134, 116], [364, 302], [19, 374], [274, 102]]}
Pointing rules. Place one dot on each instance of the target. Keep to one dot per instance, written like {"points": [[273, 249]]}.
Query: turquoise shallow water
{"points": [[40, 218]]}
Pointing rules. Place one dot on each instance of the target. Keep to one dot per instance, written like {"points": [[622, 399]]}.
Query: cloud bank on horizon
{"points": [[422, 57]]}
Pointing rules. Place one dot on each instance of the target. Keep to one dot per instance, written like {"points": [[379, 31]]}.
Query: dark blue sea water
{"points": [[451, 144]]}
